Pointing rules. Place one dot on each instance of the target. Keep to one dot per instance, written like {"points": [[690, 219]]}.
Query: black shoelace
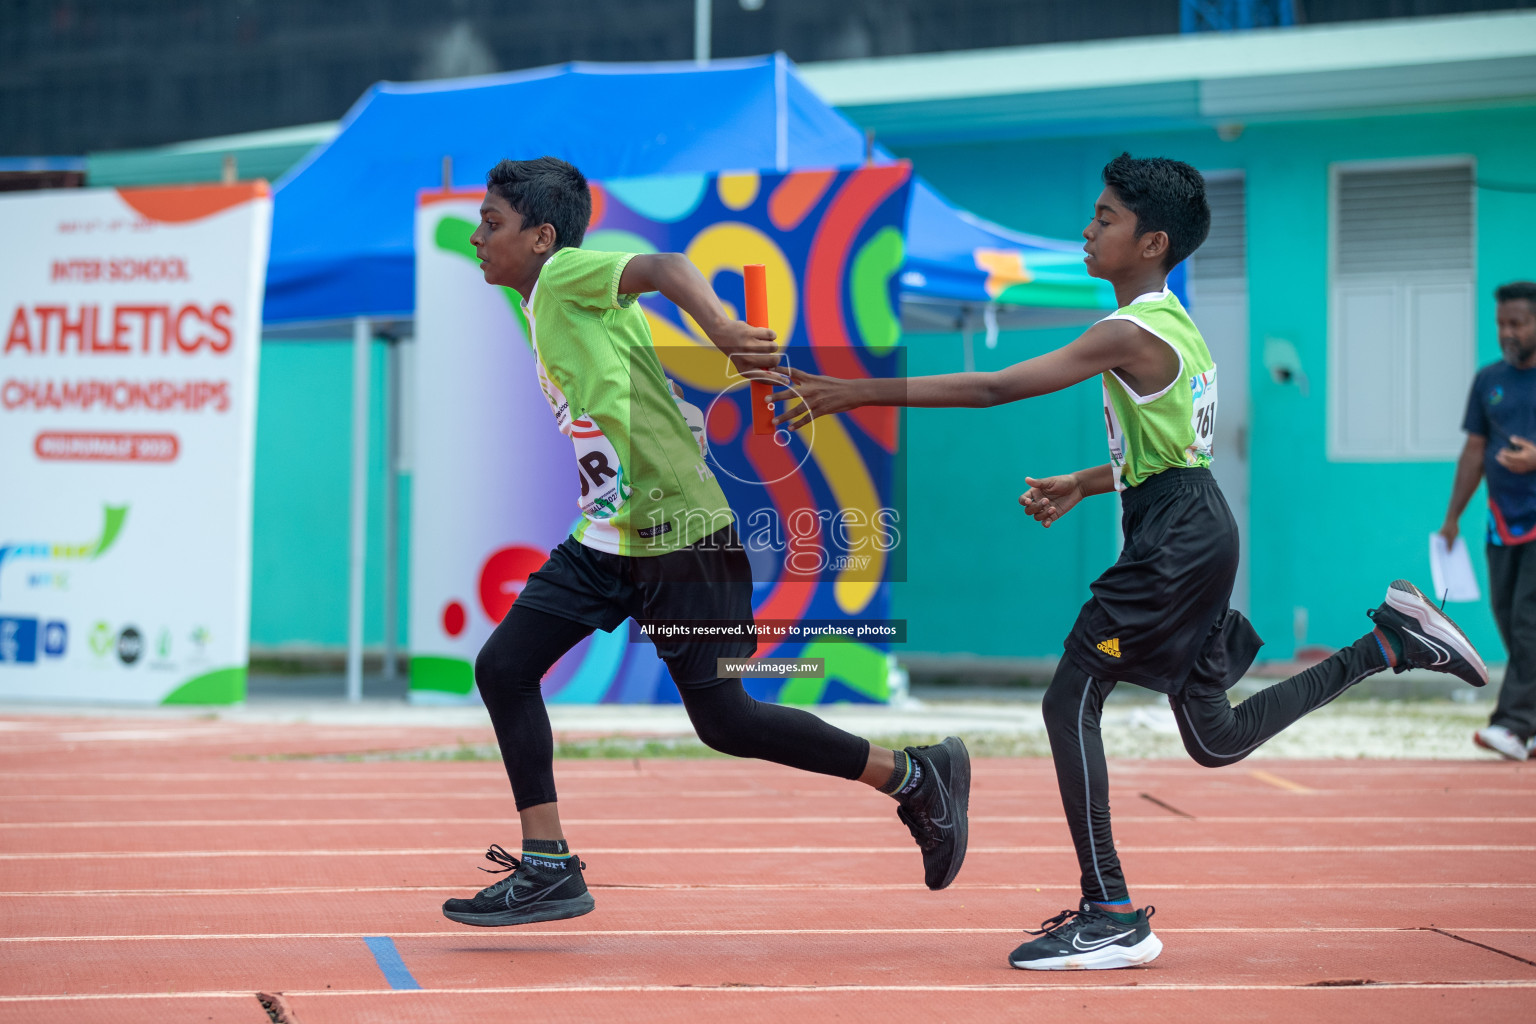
{"points": [[927, 834], [497, 855], [1051, 926]]}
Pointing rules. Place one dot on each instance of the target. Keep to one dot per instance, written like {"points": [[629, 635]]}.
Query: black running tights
{"points": [[528, 642], [1215, 733]]}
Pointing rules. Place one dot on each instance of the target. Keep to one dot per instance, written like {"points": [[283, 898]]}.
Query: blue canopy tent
{"points": [[342, 217], [342, 254]]}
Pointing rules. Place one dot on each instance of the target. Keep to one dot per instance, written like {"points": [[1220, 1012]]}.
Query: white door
{"points": [[1218, 301]]}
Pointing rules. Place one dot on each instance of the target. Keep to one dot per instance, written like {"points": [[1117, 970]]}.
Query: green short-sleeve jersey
{"points": [[1175, 427], [646, 488]]}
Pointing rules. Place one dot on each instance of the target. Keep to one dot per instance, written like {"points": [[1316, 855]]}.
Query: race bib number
{"points": [[1203, 417], [1116, 438], [603, 487]]}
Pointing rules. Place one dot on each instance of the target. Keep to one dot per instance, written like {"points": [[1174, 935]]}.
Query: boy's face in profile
{"points": [[1113, 247], [1517, 332], [509, 253]]}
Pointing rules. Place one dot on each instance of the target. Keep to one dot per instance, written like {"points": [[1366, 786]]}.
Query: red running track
{"points": [[170, 871]]}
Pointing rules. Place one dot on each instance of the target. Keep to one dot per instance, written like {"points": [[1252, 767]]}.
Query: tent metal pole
{"points": [[391, 502], [701, 31], [780, 111], [362, 338]]}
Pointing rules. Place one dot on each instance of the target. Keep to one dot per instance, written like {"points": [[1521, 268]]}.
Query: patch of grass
{"points": [[1365, 728], [627, 748]]}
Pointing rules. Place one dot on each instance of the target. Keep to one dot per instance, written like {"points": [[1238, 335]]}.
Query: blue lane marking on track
{"points": [[388, 958]]}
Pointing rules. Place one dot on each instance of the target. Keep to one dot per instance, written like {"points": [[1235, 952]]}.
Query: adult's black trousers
{"points": [[1512, 587]]}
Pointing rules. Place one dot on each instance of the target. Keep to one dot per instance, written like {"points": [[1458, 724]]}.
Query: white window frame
{"points": [[1402, 282], [1227, 174]]}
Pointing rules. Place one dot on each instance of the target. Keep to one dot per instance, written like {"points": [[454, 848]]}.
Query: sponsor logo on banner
{"points": [[199, 638], [112, 525], [18, 641], [162, 651], [55, 639], [100, 640], [130, 644]]}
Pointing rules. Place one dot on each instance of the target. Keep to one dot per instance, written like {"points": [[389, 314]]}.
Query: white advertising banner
{"points": [[482, 515], [131, 321]]}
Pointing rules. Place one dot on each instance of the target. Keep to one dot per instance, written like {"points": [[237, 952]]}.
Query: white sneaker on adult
{"points": [[1502, 742]]}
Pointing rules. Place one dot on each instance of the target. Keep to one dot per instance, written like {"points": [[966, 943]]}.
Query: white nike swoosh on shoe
{"points": [[1443, 655], [536, 897], [942, 818], [1098, 943]]}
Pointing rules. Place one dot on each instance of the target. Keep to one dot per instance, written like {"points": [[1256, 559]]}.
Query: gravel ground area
{"points": [[1137, 724]]}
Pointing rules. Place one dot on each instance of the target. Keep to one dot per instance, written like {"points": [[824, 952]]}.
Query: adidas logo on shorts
{"points": [[1110, 647]]}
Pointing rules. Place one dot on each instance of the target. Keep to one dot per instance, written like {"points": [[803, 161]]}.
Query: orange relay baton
{"points": [[757, 315]]}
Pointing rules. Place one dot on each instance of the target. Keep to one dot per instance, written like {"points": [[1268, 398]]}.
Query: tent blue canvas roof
{"points": [[342, 218]]}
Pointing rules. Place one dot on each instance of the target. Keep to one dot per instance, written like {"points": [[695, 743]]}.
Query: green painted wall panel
{"points": [[302, 498], [983, 578]]}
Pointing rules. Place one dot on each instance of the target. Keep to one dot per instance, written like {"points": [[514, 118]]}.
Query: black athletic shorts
{"points": [[1159, 617], [708, 580]]}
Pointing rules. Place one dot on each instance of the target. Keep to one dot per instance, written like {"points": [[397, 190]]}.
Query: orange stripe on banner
{"points": [[427, 197], [180, 204]]}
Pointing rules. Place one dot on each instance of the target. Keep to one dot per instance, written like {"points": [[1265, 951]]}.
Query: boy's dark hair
{"points": [[1515, 291], [1165, 195], [545, 191]]}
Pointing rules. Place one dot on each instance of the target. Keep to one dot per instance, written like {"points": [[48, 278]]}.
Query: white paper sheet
{"points": [[1452, 570]]}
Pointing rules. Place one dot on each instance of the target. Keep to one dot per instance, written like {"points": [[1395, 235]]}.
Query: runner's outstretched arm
{"points": [[1142, 361]]}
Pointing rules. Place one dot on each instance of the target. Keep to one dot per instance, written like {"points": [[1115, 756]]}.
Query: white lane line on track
{"points": [[776, 887], [567, 796], [1041, 819], [342, 772], [722, 933], [729, 771], [672, 851], [302, 767], [1021, 987], [502, 794]]}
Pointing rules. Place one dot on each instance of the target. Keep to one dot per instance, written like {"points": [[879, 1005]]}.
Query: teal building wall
{"points": [[302, 514], [1323, 535]]}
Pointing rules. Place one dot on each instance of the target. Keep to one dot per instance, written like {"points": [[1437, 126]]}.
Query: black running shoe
{"points": [[1089, 940], [935, 812], [537, 888], [1430, 639]]}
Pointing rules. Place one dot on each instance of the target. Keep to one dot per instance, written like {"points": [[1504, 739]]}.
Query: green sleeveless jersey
{"points": [[1174, 428], [646, 488]]}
